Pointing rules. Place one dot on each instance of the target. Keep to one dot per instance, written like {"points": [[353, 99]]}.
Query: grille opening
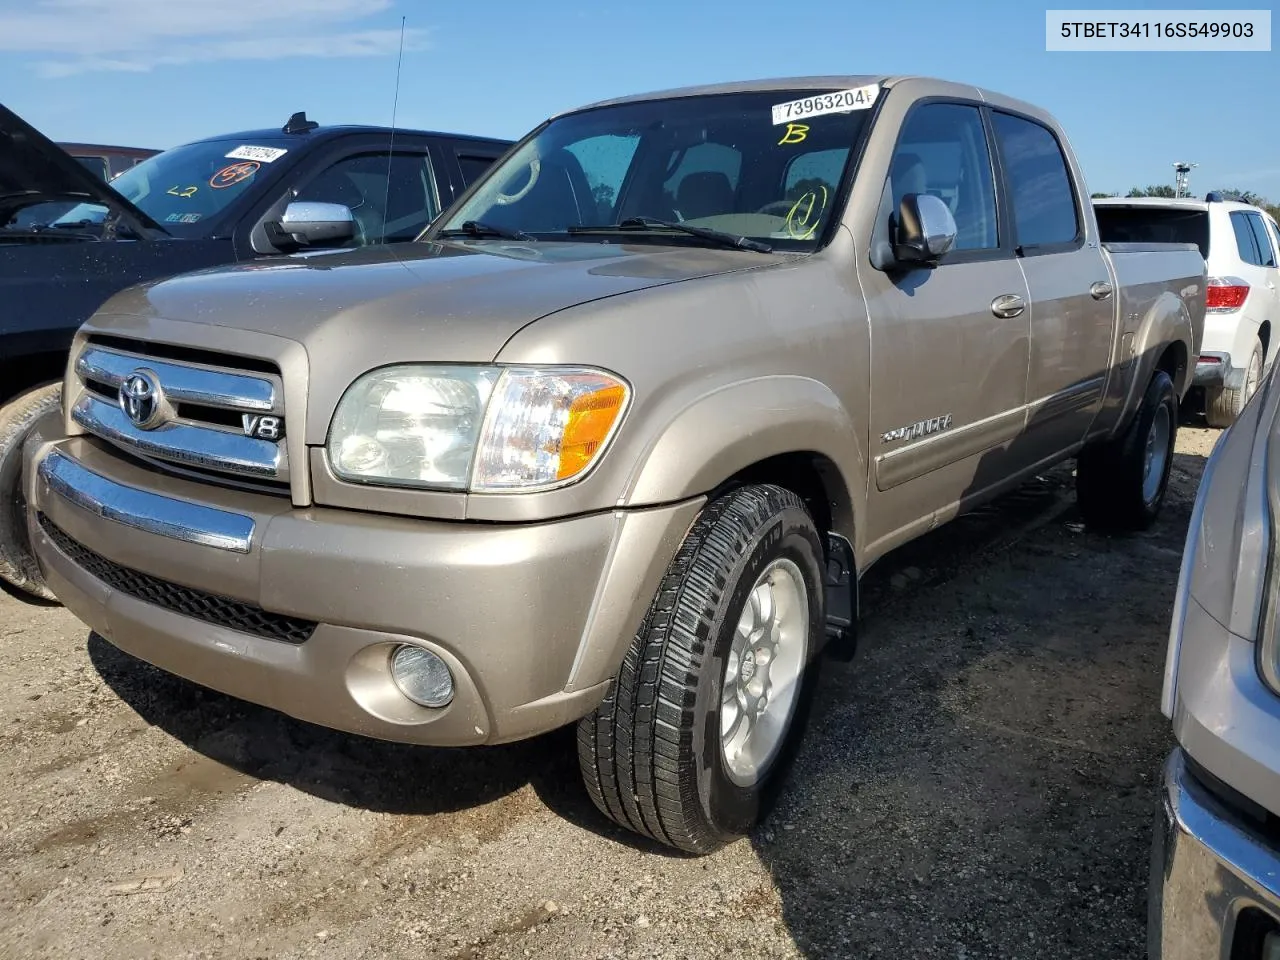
{"points": [[213, 415], [103, 391], [167, 351], [1253, 929], [207, 607]]}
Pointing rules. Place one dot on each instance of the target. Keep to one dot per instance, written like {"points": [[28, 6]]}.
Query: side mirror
{"points": [[306, 223], [926, 230]]}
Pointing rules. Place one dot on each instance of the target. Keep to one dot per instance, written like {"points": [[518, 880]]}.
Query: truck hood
{"points": [[34, 169], [421, 302]]}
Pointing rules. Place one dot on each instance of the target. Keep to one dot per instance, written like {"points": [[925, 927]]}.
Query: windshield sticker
{"points": [[185, 192], [265, 154], [806, 213], [857, 98], [190, 217], [236, 173], [173, 218], [796, 132]]}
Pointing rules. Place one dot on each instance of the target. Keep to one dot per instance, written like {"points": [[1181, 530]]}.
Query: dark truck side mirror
{"points": [[308, 223], [926, 230]]}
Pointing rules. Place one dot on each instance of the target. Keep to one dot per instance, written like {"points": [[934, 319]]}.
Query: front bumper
{"points": [[1215, 879], [299, 609]]}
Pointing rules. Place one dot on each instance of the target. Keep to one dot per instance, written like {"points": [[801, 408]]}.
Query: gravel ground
{"points": [[979, 782]]}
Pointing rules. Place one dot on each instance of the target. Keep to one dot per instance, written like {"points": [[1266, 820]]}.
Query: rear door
{"points": [[1267, 262], [949, 345], [1072, 309]]}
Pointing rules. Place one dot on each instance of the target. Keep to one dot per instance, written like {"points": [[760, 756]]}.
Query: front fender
{"points": [[735, 426]]}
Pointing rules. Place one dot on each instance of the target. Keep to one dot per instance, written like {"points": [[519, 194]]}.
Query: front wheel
{"points": [[1121, 483], [18, 566], [694, 738]]}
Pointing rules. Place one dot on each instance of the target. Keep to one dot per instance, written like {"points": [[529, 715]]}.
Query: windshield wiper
{"points": [[477, 228], [706, 233]]}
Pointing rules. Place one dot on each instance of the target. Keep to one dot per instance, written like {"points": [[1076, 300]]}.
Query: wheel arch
{"points": [[1165, 340], [792, 431]]}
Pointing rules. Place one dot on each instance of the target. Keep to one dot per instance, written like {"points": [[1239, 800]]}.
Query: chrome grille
{"points": [[201, 433]]}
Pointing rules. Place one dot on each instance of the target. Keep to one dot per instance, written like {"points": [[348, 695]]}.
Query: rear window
{"points": [[1154, 225]]}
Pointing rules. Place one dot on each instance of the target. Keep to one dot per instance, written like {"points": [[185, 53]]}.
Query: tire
{"points": [[651, 754], [18, 566], [1223, 406], [1120, 488]]}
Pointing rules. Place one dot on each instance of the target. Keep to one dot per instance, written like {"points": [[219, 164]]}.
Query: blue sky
{"points": [[161, 72]]}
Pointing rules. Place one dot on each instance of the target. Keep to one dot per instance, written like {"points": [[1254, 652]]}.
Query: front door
{"points": [[949, 345]]}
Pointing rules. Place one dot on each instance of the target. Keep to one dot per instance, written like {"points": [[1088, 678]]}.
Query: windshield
{"points": [[184, 187], [762, 165]]}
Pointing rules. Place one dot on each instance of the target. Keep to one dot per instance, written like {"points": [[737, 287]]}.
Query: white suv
{"points": [[1241, 247]]}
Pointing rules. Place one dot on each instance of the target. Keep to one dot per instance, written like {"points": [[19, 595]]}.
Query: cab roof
{"points": [[330, 131]]}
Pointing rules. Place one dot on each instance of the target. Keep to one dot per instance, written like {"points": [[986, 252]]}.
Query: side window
{"points": [[606, 160], [1044, 205], [704, 182], [95, 165], [943, 151], [1246, 242], [1265, 252], [473, 165], [809, 171], [385, 209], [1275, 234]]}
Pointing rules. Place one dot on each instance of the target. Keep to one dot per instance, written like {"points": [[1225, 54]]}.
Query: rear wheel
{"points": [[1121, 483], [1223, 406], [696, 733], [18, 566]]}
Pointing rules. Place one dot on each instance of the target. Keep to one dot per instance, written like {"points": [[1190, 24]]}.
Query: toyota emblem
{"points": [[142, 400]]}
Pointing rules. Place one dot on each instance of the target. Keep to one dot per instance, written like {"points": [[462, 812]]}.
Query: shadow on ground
{"points": [[343, 768]]}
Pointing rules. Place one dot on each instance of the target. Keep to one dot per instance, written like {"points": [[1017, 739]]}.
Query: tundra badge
{"points": [[921, 428]]}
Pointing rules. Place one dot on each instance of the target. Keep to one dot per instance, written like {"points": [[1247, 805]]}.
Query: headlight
{"points": [[484, 429]]}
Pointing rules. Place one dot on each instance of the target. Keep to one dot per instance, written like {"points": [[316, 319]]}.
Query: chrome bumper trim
{"points": [[150, 512], [180, 442], [182, 383], [1205, 869]]}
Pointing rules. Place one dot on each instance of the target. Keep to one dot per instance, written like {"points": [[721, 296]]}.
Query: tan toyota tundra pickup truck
{"points": [[613, 443]]}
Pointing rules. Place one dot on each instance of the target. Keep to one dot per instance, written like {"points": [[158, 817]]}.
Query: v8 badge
{"points": [[262, 428]]}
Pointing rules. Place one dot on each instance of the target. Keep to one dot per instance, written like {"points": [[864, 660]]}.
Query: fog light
{"points": [[422, 676]]}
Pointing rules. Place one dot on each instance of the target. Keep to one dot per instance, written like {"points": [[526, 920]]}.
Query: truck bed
{"points": [[1150, 279]]}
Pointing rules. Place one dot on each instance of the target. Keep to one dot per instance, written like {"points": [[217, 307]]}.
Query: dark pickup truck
{"points": [[222, 200]]}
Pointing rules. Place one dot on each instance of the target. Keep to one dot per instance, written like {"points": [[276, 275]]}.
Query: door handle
{"points": [[1100, 290], [1008, 305]]}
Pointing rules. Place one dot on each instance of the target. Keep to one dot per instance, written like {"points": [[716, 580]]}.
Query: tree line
{"points": [[1164, 190]]}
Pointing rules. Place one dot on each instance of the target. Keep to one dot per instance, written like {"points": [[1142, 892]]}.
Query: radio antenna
{"points": [[391, 145]]}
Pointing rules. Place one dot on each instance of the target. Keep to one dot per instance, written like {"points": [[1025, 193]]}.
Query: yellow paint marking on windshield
{"points": [[186, 192], [805, 226], [796, 132]]}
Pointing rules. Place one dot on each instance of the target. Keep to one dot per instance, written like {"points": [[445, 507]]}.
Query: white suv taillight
{"points": [[1224, 294]]}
